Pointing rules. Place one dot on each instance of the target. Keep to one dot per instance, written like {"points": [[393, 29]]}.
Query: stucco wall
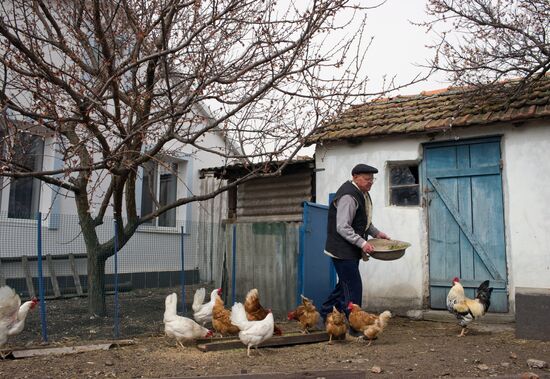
{"points": [[527, 213], [403, 284], [386, 284], [193, 160]]}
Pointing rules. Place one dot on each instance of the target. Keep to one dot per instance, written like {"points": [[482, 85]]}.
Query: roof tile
{"points": [[436, 110]]}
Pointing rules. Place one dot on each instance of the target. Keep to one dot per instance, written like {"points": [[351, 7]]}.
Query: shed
{"points": [[462, 177], [275, 198]]}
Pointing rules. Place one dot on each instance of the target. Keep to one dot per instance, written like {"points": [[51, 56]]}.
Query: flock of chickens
{"points": [[255, 324]]}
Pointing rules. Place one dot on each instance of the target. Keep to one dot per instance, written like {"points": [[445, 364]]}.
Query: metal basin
{"points": [[388, 250]]}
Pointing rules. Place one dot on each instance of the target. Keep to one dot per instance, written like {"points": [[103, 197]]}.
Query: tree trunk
{"points": [[96, 284]]}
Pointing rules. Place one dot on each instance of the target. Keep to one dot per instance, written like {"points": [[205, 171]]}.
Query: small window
{"points": [[404, 185], [159, 187], [24, 195]]}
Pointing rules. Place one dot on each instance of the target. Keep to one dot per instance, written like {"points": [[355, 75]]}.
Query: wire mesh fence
{"points": [[45, 256]]}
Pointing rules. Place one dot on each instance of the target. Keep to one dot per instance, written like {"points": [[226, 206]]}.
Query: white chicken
{"points": [[178, 327], [12, 313], [252, 333], [202, 313]]}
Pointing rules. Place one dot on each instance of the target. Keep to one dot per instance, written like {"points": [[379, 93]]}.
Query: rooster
{"points": [[255, 311], [221, 318], [336, 324], [372, 331], [178, 327], [252, 333], [306, 314], [202, 313], [12, 313], [465, 309]]}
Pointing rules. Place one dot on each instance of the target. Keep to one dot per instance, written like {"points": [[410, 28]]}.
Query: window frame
{"points": [[178, 167], [391, 187], [6, 195]]}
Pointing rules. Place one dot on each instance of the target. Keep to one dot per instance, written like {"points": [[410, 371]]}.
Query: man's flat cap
{"points": [[363, 169]]}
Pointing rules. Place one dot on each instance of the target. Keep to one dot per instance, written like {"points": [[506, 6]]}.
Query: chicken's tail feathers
{"points": [[10, 302], [171, 304], [386, 314], [6, 291], [198, 298], [253, 293], [484, 286], [238, 316], [484, 294]]}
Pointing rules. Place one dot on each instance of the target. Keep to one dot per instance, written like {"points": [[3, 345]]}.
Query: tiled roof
{"points": [[437, 111]]}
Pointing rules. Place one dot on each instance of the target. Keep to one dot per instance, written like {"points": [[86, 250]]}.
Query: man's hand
{"points": [[383, 235], [367, 248]]}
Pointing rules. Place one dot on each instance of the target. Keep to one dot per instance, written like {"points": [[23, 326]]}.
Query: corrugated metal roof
{"points": [[438, 110], [276, 199]]}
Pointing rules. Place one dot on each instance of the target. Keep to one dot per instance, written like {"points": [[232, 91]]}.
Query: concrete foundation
{"points": [[532, 310]]}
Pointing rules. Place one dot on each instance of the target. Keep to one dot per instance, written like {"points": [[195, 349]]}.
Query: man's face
{"points": [[364, 181]]}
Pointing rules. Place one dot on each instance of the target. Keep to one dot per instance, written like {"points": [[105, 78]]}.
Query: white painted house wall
{"points": [[403, 284], [150, 249]]}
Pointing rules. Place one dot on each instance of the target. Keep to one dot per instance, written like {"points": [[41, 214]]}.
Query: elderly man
{"points": [[349, 224]]}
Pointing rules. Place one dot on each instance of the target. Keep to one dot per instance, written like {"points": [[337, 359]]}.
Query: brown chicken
{"points": [[369, 324], [255, 311], [372, 331], [359, 320], [336, 324], [306, 314], [221, 318]]}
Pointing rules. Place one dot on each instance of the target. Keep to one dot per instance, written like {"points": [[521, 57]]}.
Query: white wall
{"points": [[188, 180], [527, 212], [386, 284], [404, 283]]}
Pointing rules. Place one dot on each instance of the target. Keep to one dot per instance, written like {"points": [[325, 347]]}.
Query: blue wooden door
{"points": [[463, 193], [316, 275]]}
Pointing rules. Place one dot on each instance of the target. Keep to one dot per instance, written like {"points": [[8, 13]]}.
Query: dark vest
{"points": [[336, 244]]}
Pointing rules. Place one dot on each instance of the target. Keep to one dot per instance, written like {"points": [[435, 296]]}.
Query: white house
{"points": [[462, 177], [153, 255]]}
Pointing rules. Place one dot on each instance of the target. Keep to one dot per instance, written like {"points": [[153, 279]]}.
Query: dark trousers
{"points": [[349, 287]]}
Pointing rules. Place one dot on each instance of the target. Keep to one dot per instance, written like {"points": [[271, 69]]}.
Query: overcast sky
{"points": [[398, 45]]}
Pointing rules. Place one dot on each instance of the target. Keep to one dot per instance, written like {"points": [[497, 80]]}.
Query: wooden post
{"points": [[2, 279], [28, 276], [76, 277], [53, 277]]}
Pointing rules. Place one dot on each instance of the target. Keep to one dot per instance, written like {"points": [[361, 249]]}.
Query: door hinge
{"points": [[501, 164]]}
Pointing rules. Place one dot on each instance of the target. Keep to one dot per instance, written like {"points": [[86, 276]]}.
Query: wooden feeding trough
{"points": [[226, 343]]}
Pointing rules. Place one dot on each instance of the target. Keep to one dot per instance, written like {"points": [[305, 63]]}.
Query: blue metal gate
{"points": [[316, 273], [463, 188]]}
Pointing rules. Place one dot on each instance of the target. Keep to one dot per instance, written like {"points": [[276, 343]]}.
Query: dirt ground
{"points": [[409, 349]]}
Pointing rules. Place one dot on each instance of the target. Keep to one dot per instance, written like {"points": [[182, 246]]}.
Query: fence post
{"points": [[115, 240], [234, 264], [182, 275], [43, 324]]}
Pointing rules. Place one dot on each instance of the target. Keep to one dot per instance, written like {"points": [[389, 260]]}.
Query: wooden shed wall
{"points": [[267, 259], [274, 199]]}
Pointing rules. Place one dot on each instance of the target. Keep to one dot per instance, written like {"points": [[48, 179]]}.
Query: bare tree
{"points": [[485, 41], [119, 84]]}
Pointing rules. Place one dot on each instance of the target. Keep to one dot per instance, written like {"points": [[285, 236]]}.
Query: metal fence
{"points": [[46, 256]]}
